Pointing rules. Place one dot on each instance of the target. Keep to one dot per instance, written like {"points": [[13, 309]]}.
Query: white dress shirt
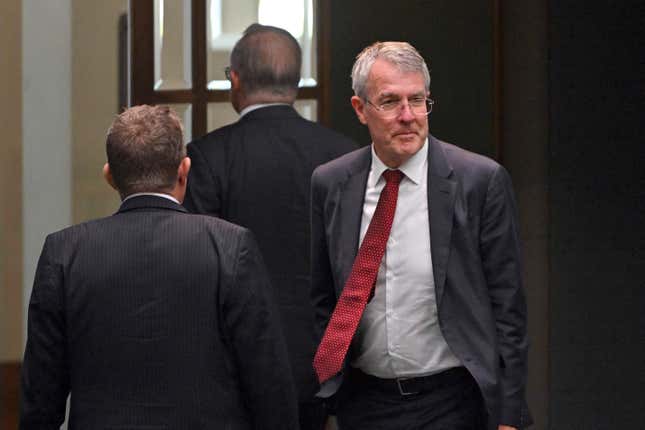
{"points": [[251, 108], [399, 333], [165, 196]]}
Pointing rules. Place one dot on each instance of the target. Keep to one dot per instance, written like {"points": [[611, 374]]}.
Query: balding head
{"points": [[267, 60]]}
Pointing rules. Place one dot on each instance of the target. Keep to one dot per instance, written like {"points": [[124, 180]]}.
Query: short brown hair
{"points": [[144, 148]]}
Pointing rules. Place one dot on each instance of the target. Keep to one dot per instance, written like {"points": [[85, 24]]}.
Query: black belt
{"points": [[408, 386]]}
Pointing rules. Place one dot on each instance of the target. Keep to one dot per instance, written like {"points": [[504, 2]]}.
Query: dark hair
{"points": [[267, 59], [144, 148]]}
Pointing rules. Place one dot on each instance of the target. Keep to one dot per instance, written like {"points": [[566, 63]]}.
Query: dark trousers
{"points": [[313, 415], [450, 400]]}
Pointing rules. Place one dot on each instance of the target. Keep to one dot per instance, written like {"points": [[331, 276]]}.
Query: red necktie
{"points": [[351, 303]]}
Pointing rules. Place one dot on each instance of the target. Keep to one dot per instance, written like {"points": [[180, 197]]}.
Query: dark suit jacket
{"points": [[256, 173], [154, 319], [475, 257]]}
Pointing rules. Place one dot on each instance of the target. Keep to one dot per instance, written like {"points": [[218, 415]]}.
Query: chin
{"points": [[410, 145]]}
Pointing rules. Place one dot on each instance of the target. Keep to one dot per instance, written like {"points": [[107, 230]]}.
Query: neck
{"points": [[391, 162], [264, 98], [179, 192]]}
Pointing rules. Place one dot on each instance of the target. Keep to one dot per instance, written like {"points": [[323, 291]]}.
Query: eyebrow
{"points": [[395, 95]]}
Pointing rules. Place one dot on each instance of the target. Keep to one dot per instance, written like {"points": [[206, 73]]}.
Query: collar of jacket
{"points": [[149, 202]]}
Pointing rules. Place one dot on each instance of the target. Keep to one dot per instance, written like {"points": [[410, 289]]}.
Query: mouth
{"points": [[405, 134]]}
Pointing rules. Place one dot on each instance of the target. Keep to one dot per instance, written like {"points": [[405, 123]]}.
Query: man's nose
{"points": [[406, 114]]}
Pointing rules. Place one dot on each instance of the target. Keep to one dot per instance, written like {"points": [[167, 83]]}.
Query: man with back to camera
{"points": [[153, 318], [256, 173], [416, 268]]}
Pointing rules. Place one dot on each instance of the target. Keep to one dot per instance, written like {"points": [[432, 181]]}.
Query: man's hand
{"points": [[503, 427]]}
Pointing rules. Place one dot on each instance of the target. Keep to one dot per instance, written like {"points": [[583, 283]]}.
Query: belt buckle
{"points": [[401, 389]]}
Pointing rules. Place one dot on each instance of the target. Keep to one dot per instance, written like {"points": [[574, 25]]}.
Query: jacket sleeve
{"points": [[45, 373], [323, 295], [501, 258], [257, 341], [204, 189]]}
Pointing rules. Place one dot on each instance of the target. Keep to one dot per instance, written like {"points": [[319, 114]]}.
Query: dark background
{"points": [[597, 204], [571, 86]]}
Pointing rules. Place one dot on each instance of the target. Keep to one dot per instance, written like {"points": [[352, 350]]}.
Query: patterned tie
{"points": [[351, 303]]}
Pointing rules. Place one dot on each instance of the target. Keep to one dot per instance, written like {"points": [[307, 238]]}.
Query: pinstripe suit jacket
{"points": [[154, 319]]}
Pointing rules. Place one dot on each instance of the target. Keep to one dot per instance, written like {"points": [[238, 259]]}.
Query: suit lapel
{"points": [[350, 208], [441, 203]]}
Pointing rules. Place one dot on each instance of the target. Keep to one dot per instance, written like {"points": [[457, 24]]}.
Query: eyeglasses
{"points": [[227, 72], [419, 106]]}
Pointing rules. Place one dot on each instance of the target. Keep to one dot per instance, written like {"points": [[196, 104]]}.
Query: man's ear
{"points": [[235, 80], [107, 174], [182, 171], [359, 108]]}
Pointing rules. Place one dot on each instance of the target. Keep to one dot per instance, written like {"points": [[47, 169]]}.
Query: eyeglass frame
{"points": [[227, 73], [429, 103]]}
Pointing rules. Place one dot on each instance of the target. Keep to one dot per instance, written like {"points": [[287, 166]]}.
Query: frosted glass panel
{"points": [[185, 112], [227, 19], [220, 114], [307, 108], [172, 44]]}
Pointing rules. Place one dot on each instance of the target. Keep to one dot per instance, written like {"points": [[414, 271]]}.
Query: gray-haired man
{"points": [[429, 314]]}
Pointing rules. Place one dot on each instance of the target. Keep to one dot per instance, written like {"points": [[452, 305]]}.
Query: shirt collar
{"points": [[411, 168], [165, 196], [251, 108]]}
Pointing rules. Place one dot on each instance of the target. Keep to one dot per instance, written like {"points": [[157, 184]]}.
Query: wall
{"points": [[46, 133], [597, 201], [11, 182], [525, 131], [95, 90], [10, 209]]}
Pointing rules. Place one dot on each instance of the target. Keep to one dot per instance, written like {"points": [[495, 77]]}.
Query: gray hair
{"points": [[267, 59], [400, 54], [144, 148]]}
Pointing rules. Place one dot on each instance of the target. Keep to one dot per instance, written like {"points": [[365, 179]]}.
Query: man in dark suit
{"points": [[424, 325], [256, 173], [154, 318]]}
